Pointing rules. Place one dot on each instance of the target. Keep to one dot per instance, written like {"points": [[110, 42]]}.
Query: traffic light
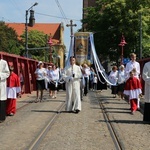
{"points": [[31, 19]]}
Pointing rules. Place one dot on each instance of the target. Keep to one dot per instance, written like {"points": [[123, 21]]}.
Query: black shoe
{"points": [[77, 111], [70, 111], [138, 109], [2, 121]]}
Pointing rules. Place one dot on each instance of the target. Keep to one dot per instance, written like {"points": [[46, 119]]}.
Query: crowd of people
{"points": [[78, 80], [46, 79], [126, 83]]}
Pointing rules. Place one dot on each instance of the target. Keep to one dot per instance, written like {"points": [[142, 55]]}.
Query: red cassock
{"points": [[133, 90], [13, 87]]}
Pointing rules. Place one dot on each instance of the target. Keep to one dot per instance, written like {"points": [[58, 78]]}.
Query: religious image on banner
{"points": [[82, 47]]}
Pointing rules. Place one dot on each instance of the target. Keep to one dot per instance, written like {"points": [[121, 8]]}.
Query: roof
{"points": [[47, 28]]}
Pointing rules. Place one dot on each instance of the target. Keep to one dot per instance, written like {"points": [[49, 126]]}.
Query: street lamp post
{"points": [[122, 44], [31, 23], [50, 49], [140, 36]]}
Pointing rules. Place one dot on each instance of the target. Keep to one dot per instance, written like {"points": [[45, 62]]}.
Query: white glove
{"points": [[71, 78]]}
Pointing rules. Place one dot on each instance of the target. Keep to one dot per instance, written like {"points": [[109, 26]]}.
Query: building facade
{"points": [[87, 3], [56, 30]]}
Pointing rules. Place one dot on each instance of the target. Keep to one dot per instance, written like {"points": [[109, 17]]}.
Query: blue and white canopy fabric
{"points": [[98, 67], [71, 52]]}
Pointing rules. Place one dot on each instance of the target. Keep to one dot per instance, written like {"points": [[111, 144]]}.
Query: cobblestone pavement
{"points": [[18, 131], [131, 130], [84, 131], [88, 130]]}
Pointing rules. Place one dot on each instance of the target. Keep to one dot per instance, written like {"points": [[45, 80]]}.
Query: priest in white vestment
{"points": [[72, 76]]}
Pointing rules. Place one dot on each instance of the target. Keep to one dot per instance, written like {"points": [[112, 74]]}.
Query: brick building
{"points": [[87, 3]]}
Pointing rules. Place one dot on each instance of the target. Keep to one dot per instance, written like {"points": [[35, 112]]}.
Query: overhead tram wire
{"points": [[59, 6], [55, 16], [16, 6], [61, 10], [5, 19]]}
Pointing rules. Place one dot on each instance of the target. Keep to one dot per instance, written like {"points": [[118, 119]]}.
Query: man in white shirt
{"points": [[132, 65]]}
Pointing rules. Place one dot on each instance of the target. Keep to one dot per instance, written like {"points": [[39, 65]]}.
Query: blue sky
{"points": [[47, 11]]}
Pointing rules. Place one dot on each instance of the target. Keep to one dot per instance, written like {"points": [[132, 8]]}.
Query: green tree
{"points": [[9, 39], [109, 19], [36, 39]]}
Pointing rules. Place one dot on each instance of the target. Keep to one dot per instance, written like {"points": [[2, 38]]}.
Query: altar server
{"points": [[133, 90], [134, 66], [13, 88]]}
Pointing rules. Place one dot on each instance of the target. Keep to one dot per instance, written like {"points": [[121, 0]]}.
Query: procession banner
{"points": [[82, 47]]}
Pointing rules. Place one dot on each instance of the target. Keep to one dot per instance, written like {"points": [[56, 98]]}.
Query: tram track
{"points": [[24, 101], [27, 104], [117, 142], [40, 136], [21, 107], [44, 130]]}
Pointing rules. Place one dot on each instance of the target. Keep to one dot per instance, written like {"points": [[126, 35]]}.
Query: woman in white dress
{"points": [[54, 81], [113, 77], [121, 81]]}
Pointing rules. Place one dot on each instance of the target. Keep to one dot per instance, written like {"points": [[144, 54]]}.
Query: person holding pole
{"points": [[72, 76]]}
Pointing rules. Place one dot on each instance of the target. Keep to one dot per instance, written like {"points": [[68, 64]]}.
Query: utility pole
{"points": [[140, 57], [31, 24], [71, 25], [50, 48]]}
